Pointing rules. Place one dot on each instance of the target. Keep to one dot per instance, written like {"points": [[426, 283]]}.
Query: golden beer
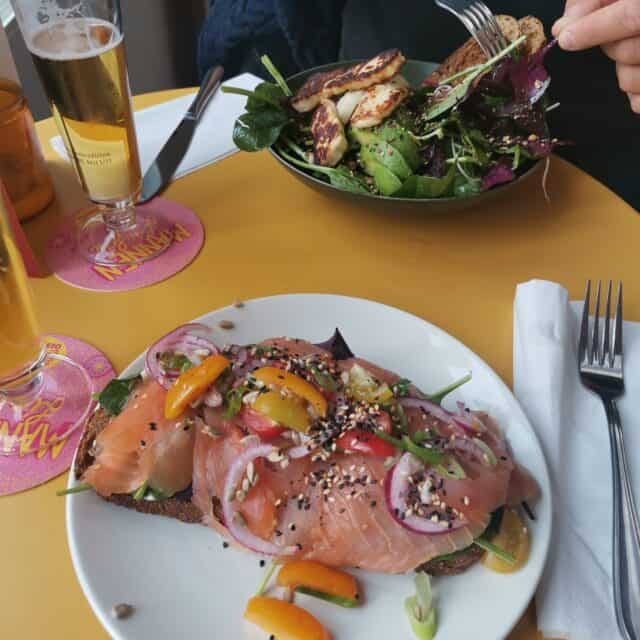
{"points": [[81, 62], [19, 335]]}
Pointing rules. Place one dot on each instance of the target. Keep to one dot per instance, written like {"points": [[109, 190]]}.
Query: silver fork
{"points": [[601, 371], [480, 22]]}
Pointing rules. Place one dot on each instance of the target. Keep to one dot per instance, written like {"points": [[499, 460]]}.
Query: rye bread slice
{"points": [[179, 506], [470, 54]]}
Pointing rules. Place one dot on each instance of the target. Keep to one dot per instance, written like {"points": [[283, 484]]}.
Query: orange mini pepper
{"points": [[284, 620], [295, 384], [191, 384], [315, 579]]}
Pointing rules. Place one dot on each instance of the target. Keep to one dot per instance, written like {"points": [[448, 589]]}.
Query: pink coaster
{"points": [[73, 269], [20, 472]]}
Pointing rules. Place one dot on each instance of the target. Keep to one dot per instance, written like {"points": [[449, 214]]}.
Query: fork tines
{"points": [[606, 350]]}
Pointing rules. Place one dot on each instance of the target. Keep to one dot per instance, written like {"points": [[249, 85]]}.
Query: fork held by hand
{"points": [[601, 371], [480, 22]]}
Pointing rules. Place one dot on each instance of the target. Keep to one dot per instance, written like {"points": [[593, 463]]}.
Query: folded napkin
{"points": [[575, 598], [212, 140]]}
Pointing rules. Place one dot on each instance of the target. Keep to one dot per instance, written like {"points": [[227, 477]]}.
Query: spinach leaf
{"points": [[264, 94], [257, 130], [340, 177], [464, 187], [115, 395], [426, 186]]}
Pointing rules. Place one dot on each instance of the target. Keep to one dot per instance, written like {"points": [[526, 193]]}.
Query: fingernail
{"points": [[567, 41], [559, 25]]}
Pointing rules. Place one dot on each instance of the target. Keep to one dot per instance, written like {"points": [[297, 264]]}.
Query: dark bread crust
{"points": [[453, 566], [179, 506]]}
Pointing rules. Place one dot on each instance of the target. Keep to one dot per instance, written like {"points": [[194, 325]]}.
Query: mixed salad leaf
{"points": [[480, 128]]}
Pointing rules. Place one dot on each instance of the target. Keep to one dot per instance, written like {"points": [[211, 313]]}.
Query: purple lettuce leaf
{"points": [[499, 173]]}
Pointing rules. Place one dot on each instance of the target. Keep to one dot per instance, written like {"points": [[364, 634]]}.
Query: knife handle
{"points": [[208, 88]]}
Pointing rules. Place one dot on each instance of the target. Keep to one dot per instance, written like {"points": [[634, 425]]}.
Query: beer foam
{"points": [[74, 39]]}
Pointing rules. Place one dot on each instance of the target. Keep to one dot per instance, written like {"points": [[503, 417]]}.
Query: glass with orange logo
{"points": [[29, 373], [22, 167]]}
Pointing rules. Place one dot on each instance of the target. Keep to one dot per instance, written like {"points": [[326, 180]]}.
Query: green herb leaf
{"points": [[439, 396], [79, 488], [140, 492], [400, 388], [339, 600], [324, 379], [233, 399], [450, 468], [492, 548], [429, 456], [172, 361], [268, 93], [115, 395]]}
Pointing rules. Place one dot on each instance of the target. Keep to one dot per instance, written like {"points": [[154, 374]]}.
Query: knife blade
{"points": [[161, 171]]}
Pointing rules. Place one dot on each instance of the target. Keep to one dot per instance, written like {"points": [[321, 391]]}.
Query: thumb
{"points": [[575, 9]]}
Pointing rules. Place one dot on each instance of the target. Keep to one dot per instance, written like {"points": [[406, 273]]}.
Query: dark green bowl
{"points": [[415, 72]]}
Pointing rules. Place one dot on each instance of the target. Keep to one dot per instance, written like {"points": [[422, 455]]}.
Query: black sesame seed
{"points": [[142, 443], [262, 563], [225, 545], [152, 426], [373, 503]]}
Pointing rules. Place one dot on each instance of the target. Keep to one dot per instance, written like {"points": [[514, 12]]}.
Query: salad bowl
{"points": [[414, 71]]}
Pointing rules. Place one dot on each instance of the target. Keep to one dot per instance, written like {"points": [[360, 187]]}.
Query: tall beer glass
{"points": [[30, 376], [78, 49]]}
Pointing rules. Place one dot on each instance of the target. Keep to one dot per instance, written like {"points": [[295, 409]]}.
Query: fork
{"points": [[601, 371], [480, 22]]}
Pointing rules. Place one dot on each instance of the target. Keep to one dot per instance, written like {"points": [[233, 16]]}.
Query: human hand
{"points": [[615, 26]]}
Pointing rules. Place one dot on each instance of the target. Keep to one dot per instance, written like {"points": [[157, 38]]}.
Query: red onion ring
{"points": [[240, 532], [439, 413], [396, 486], [476, 448], [185, 339]]}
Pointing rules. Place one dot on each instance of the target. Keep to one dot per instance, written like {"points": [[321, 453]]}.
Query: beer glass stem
{"points": [[25, 386], [121, 217]]}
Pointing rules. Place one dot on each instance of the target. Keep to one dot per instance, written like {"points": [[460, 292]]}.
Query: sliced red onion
{"points": [[232, 517], [396, 490], [461, 421], [187, 339], [476, 448]]}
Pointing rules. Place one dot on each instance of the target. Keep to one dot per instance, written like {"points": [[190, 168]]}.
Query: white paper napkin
{"points": [[212, 140], [574, 599]]}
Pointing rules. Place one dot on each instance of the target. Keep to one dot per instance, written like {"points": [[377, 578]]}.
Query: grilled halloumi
{"points": [[329, 139], [308, 96], [378, 69], [378, 104]]}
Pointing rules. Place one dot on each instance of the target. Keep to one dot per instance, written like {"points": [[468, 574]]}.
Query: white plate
{"points": [[184, 584]]}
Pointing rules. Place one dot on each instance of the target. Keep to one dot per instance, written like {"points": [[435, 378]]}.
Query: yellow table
{"points": [[267, 234]]}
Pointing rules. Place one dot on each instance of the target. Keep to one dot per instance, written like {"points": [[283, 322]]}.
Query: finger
{"points": [[575, 9], [624, 51], [634, 101], [616, 21], [628, 77]]}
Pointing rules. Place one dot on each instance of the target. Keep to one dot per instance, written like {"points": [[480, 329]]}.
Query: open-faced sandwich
{"points": [[473, 123], [309, 454]]}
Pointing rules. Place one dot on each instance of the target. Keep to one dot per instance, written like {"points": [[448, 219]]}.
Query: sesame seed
{"points": [[226, 324], [292, 527], [466, 500], [142, 443], [225, 545]]}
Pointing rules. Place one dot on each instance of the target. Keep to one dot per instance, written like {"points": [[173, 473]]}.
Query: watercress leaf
{"points": [[233, 399], [115, 395], [464, 188]]}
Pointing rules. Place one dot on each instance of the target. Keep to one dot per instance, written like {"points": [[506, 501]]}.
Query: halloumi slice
{"points": [[329, 139], [378, 104], [329, 84], [308, 96]]}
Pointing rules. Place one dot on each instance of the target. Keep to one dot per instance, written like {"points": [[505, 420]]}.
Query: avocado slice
{"points": [[388, 156], [394, 135], [386, 181]]}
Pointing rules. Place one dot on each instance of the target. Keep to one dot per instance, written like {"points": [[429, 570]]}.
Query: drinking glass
{"points": [[78, 50], [31, 378]]}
